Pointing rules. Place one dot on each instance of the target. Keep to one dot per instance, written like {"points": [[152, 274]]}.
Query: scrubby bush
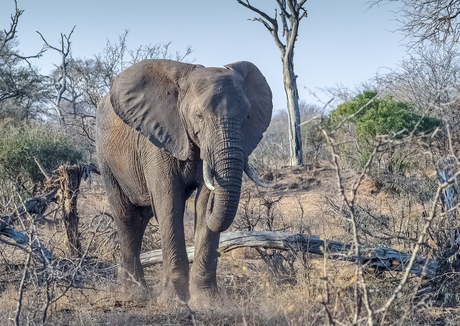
{"points": [[21, 145]]}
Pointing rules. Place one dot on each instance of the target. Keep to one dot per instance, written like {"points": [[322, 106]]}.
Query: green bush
{"points": [[19, 145], [382, 116]]}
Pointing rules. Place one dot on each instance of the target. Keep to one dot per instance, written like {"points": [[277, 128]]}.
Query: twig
{"points": [[42, 169], [398, 289], [21, 291]]}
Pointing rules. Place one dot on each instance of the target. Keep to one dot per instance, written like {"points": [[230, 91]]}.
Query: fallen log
{"points": [[373, 257]]}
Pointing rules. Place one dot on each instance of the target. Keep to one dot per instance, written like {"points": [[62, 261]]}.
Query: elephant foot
{"points": [[133, 288], [133, 292], [139, 295], [203, 297], [172, 294], [203, 301]]}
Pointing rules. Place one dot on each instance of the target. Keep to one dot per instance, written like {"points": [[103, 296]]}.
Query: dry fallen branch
{"points": [[23, 240], [380, 258], [64, 184], [33, 206]]}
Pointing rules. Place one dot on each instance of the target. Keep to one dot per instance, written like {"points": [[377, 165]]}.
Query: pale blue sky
{"points": [[341, 41]]}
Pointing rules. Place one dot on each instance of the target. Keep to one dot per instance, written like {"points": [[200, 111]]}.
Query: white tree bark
{"points": [[295, 138], [450, 200]]}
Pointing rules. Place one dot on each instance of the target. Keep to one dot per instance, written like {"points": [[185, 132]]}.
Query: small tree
{"points": [[291, 12], [21, 86]]}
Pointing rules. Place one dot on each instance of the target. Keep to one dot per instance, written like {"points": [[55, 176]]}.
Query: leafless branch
{"points": [[61, 82], [21, 291], [11, 33], [284, 16], [434, 21], [42, 169], [270, 23], [405, 277], [350, 203]]}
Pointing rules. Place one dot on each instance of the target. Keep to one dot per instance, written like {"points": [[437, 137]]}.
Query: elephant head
{"points": [[182, 107]]}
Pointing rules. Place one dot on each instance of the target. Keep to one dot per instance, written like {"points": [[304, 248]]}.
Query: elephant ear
{"points": [[145, 96], [260, 97]]}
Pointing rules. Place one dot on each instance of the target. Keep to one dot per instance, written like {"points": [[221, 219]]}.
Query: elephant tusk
{"points": [[207, 175], [253, 175]]}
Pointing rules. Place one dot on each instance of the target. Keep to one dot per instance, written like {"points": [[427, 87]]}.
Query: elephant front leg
{"points": [[203, 279], [170, 212]]}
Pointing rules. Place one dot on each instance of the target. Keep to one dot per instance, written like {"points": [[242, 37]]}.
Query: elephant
{"points": [[164, 130]]}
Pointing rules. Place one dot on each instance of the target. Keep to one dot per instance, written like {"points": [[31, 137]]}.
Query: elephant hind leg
{"points": [[130, 232], [131, 221]]}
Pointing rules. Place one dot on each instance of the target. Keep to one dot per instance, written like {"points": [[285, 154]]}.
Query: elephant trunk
{"points": [[228, 165]]}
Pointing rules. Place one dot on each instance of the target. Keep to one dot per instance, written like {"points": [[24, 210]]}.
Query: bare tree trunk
{"points": [[292, 96], [60, 89], [70, 187], [291, 12], [450, 200], [70, 179]]}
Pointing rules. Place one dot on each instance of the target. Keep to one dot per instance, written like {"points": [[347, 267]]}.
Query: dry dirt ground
{"points": [[292, 289]]}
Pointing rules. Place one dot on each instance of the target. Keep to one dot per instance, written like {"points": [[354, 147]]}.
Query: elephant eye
{"points": [[199, 120]]}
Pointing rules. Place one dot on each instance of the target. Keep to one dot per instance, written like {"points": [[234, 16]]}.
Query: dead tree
{"points": [[61, 82], [291, 13], [8, 36], [19, 80], [69, 178]]}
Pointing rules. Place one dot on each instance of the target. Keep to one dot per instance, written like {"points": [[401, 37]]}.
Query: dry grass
{"points": [[250, 292]]}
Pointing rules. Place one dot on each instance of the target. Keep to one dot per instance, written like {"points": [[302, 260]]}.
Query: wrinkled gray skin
{"points": [[159, 122]]}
